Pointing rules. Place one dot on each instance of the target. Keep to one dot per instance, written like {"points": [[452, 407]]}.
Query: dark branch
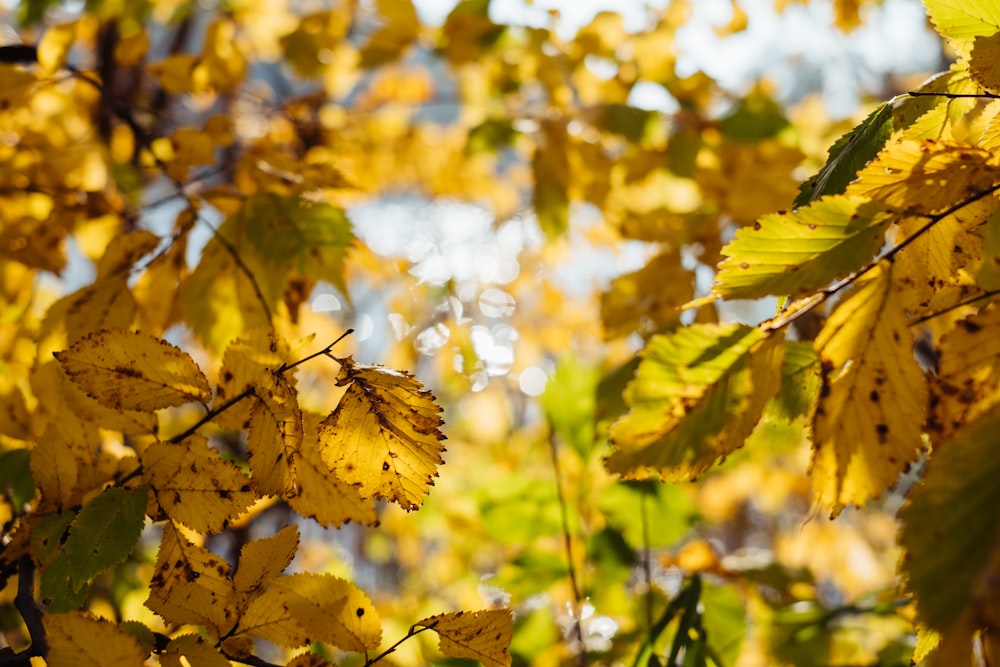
{"points": [[392, 649], [955, 96]]}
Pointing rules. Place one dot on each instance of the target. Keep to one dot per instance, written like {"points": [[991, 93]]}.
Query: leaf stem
{"points": [[212, 414], [581, 656], [979, 297]]}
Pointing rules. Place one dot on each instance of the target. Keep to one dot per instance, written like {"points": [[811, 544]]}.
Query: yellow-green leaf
{"points": [[649, 298], [873, 398], [550, 167], [950, 524], [696, 396], [385, 435], [76, 639], [962, 19], [798, 252], [194, 485], [480, 635], [130, 370]]}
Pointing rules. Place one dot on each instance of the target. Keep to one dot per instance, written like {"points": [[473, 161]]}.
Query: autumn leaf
{"points": [[963, 20], [552, 178], [194, 486], [798, 252], [968, 378], [261, 561], [696, 396], [323, 607], [927, 177], [872, 399], [385, 435], [191, 585], [638, 300], [192, 650], [76, 639], [130, 370], [274, 434], [480, 635], [950, 524]]}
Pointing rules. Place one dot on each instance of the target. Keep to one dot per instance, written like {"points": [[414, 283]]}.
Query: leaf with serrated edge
{"points": [[191, 585], [962, 19], [848, 155], [254, 354], [194, 485], [102, 536], [480, 635], [77, 639], [950, 524], [799, 252], [267, 617], [308, 660], [130, 370], [331, 610], [274, 435], [261, 561], [872, 402], [696, 396], [926, 177], [193, 651], [968, 379], [321, 495], [385, 435]]}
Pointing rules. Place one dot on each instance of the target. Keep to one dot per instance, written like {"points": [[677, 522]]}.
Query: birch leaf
{"points": [[76, 639], [872, 399], [480, 635], [130, 370], [261, 561], [385, 435], [696, 396], [194, 485]]}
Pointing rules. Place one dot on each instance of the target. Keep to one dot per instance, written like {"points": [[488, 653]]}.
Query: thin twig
{"points": [[325, 350], [213, 413], [967, 302], [412, 633], [252, 660], [581, 656], [954, 96], [647, 567]]}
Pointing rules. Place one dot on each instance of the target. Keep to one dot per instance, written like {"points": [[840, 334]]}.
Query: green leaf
{"points": [[802, 251], [848, 155], [102, 536], [963, 19], [799, 383], [669, 511], [724, 620], [950, 526], [626, 121], [15, 477], [294, 233], [569, 403], [756, 118], [489, 136], [697, 395], [48, 534]]}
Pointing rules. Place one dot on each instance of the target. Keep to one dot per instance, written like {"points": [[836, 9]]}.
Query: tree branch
{"points": [[392, 649]]}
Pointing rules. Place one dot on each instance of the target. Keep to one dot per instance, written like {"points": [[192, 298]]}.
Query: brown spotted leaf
{"points": [[385, 435], [873, 397], [480, 635], [130, 370]]}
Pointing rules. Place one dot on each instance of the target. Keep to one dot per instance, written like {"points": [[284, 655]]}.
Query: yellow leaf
{"points": [[873, 397], [106, 304], [253, 355], [319, 494], [79, 640], [54, 470], [191, 585], [130, 50], [124, 251], [275, 434], [308, 660], [179, 73], [267, 617], [331, 610], [926, 177], [968, 379], [261, 561], [480, 635], [194, 486], [192, 651], [385, 435], [222, 57], [126, 370], [55, 45]]}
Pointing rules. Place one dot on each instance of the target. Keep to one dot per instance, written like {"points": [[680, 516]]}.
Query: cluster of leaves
{"points": [[879, 361]]}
